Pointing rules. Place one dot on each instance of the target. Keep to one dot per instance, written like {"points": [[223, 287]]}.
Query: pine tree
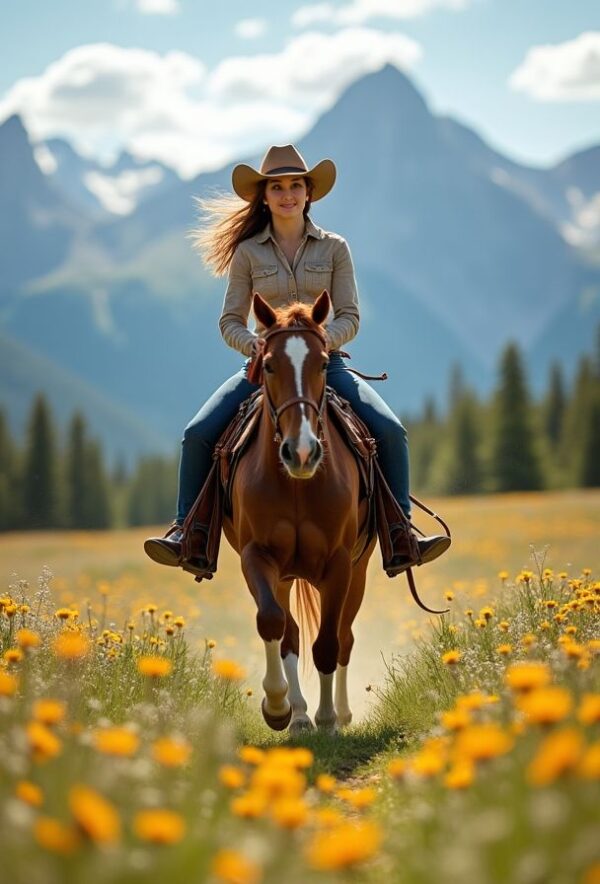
{"points": [[152, 491], [76, 504], [581, 442], [88, 504], [514, 460], [97, 496], [554, 407], [9, 510], [424, 438], [463, 472], [40, 489]]}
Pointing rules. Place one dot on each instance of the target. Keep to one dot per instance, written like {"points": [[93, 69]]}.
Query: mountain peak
{"points": [[12, 127]]}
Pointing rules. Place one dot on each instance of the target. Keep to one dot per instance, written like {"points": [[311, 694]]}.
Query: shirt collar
{"points": [[310, 229]]}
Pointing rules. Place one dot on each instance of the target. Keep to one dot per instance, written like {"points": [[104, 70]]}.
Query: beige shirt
{"points": [[322, 261]]}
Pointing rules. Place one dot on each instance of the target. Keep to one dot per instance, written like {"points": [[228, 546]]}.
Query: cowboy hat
{"points": [[280, 161]]}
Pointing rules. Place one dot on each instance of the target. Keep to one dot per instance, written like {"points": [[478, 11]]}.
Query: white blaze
{"points": [[296, 349]]}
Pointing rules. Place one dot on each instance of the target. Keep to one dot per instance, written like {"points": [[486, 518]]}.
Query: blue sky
{"points": [[201, 92]]}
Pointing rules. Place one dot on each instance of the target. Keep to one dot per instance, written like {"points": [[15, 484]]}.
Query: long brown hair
{"points": [[226, 221]]}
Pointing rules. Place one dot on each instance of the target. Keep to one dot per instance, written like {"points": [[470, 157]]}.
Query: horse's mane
{"points": [[296, 314]]}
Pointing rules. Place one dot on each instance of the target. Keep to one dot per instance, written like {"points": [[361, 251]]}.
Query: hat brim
{"points": [[245, 179]]}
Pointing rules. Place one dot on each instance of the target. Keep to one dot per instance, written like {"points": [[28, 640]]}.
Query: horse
{"points": [[297, 513]]}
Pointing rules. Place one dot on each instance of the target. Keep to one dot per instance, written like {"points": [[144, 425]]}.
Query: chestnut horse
{"points": [[297, 514]]}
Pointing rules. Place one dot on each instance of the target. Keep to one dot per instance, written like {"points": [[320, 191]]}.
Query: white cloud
{"points": [[567, 71], [170, 108], [119, 193], [250, 28], [360, 11], [158, 7]]}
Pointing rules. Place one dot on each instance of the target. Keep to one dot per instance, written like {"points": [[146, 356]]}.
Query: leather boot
{"points": [[167, 550], [429, 548]]}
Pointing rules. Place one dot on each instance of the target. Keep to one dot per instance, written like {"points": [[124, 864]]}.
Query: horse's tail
{"points": [[308, 612]]}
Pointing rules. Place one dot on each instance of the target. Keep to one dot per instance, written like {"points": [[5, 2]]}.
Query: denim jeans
{"points": [[204, 430]]}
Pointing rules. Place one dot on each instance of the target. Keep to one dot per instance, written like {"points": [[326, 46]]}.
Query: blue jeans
{"points": [[203, 431]]}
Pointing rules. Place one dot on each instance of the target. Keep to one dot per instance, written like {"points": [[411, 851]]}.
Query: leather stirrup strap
{"points": [[415, 595], [429, 512]]}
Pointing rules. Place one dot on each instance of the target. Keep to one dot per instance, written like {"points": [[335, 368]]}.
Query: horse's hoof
{"points": [[276, 722], [301, 726], [327, 727]]}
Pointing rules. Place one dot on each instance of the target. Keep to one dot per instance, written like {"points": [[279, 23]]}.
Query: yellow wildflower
{"points": [[159, 826], [480, 623], [427, 763], [154, 667], [397, 768], [589, 709], [171, 751], [460, 776], [13, 655], [480, 742], [251, 754], [70, 645], [63, 613], [211, 643], [277, 780], [250, 805], [357, 798], [327, 817], [451, 658], [589, 766], [119, 741], [96, 817], [228, 670], [42, 742], [289, 813], [475, 700], [52, 834], [504, 650], [344, 846], [503, 575], [49, 711], [545, 705], [526, 676], [232, 777], [27, 638], [179, 622], [29, 793], [8, 684], [503, 625], [572, 650], [325, 783], [487, 613], [449, 595], [558, 754], [455, 719], [232, 867]]}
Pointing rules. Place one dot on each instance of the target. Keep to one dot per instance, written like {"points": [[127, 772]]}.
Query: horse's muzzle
{"points": [[301, 462]]}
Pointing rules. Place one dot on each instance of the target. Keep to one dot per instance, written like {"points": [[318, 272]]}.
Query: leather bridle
{"points": [[276, 412]]}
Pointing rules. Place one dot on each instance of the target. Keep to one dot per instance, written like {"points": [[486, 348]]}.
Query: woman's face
{"points": [[286, 197]]}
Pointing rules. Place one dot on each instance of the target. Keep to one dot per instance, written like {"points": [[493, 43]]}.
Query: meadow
{"points": [[131, 747]]}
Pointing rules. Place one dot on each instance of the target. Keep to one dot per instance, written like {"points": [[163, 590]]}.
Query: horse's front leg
{"points": [[333, 589], [262, 576]]}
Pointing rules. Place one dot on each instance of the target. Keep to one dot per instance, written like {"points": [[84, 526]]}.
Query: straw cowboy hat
{"points": [[280, 161]]}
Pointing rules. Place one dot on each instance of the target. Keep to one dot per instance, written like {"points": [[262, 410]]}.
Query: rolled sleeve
{"points": [[237, 303], [344, 299]]}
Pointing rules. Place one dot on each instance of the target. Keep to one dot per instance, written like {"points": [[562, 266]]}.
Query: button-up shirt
{"points": [[322, 261]]}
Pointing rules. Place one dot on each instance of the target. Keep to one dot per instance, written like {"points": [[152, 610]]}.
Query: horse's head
{"points": [[294, 370]]}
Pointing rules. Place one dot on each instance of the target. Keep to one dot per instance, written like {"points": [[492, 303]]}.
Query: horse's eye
{"points": [[324, 366], [268, 368]]}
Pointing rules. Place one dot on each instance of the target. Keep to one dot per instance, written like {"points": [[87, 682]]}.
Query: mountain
{"points": [[23, 373], [457, 250], [37, 226], [102, 191]]}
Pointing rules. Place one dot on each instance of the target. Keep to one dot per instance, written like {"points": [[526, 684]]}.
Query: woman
{"points": [[272, 246]]}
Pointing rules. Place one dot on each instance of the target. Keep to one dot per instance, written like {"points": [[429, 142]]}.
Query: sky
{"points": [[198, 83]]}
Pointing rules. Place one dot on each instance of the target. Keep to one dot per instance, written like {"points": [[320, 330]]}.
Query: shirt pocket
{"points": [[264, 280], [318, 277]]}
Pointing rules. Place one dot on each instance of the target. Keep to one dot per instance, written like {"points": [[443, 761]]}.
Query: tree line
{"points": [[508, 442]]}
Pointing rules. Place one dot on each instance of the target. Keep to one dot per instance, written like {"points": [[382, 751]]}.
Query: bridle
{"points": [[276, 412]]}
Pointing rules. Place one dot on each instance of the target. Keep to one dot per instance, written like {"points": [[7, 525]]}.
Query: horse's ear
{"points": [[263, 312], [321, 307]]}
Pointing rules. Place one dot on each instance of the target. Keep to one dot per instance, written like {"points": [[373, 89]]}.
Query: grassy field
{"points": [[131, 749], [490, 534]]}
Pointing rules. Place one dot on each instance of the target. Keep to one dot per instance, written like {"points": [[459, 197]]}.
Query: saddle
{"points": [[205, 518]]}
